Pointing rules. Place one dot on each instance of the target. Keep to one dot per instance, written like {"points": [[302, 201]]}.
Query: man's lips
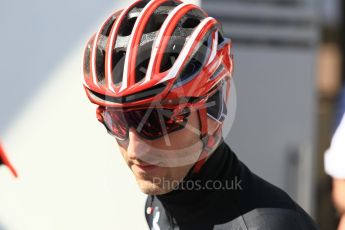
{"points": [[144, 166]]}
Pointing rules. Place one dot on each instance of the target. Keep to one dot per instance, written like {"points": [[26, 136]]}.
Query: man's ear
{"points": [[99, 111]]}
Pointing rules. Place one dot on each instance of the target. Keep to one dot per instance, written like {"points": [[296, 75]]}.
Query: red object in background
{"points": [[5, 161]]}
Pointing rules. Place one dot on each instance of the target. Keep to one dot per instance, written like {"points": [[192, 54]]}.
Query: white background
{"points": [[71, 175]]}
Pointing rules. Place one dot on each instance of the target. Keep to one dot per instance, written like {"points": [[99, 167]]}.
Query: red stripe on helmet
{"points": [[196, 37], [87, 76], [164, 35], [214, 47], [133, 46], [94, 53], [110, 47]]}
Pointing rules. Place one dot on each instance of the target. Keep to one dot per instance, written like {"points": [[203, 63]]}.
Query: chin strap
{"points": [[209, 141], [204, 138]]}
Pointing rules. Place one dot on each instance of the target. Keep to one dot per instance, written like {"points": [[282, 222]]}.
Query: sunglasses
{"points": [[149, 123]]}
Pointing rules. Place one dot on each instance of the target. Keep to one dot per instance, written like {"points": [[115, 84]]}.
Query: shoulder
{"points": [[270, 219], [276, 218], [262, 205]]}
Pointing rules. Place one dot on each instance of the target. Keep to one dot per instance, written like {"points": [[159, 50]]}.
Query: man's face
{"points": [[160, 164]]}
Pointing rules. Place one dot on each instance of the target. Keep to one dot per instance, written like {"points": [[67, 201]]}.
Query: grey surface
{"points": [[275, 109], [275, 47], [36, 36]]}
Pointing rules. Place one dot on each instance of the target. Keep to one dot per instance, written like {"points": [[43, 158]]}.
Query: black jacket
{"points": [[238, 200]]}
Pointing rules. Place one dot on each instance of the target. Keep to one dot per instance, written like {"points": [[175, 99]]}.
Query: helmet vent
{"points": [[87, 59], [220, 38], [143, 59], [100, 58], [168, 61], [192, 19], [127, 26], [107, 27], [118, 64], [195, 63], [129, 98], [129, 21], [179, 37], [155, 23], [172, 52], [190, 23], [141, 70]]}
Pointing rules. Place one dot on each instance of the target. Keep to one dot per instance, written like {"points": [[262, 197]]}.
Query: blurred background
{"points": [[289, 78], [289, 75]]}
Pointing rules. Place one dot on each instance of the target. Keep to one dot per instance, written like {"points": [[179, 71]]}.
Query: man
{"points": [[335, 167], [160, 73]]}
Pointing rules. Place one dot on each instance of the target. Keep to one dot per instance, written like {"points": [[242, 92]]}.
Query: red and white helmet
{"points": [[157, 52]]}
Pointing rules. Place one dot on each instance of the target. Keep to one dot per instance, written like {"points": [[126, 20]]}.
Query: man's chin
{"points": [[150, 188]]}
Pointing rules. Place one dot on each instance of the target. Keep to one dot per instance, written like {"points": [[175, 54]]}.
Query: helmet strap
{"points": [[210, 142], [204, 138]]}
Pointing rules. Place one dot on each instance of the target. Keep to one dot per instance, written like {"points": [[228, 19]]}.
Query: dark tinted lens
{"points": [[150, 123], [155, 123], [115, 123]]}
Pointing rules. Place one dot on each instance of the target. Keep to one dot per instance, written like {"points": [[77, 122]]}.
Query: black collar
{"points": [[188, 204]]}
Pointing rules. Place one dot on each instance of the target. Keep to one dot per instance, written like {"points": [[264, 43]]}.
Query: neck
{"points": [[189, 197]]}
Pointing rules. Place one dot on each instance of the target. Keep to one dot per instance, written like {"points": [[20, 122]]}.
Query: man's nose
{"points": [[137, 147]]}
